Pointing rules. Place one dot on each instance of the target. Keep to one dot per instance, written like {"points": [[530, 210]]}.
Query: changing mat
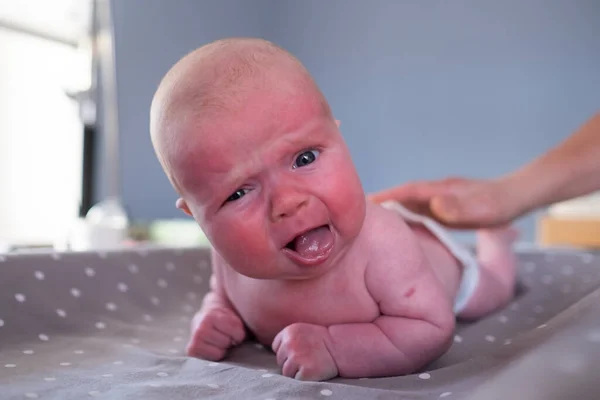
{"points": [[114, 326]]}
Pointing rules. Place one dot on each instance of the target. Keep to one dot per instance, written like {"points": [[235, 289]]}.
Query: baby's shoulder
{"points": [[385, 227], [393, 242]]}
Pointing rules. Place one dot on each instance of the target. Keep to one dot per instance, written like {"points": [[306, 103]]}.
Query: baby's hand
{"points": [[302, 353], [214, 331]]}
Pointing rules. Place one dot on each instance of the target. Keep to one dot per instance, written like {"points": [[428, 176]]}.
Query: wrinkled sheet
{"points": [[114, 325]]}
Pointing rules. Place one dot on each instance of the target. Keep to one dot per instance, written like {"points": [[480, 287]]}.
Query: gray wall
{"points": [[150, 36], [424, 89]]}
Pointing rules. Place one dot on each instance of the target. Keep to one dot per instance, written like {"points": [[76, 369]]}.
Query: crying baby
{"points": [[333, 284]]}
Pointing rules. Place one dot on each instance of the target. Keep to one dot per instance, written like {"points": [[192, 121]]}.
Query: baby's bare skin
{"points": [[335, 285], [380, 300], [347, 300]]}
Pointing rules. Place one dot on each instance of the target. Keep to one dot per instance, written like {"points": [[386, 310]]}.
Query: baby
{"points": [[334, 284]]}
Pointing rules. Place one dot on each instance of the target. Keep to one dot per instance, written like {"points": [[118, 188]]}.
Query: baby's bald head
{"points": [[216, 80]]}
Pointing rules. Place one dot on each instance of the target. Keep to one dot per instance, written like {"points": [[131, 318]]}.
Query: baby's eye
{"points": [[238, 194], [308, 157]]}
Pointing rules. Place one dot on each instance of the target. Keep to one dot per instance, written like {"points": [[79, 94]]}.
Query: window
{"points": [[41, 133]]}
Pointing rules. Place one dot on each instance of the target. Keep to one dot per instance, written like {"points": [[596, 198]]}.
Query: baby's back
{"points": [[445, 266]]}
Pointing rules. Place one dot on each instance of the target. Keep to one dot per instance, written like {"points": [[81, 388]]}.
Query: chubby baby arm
{"points": [[415, 327], [393, 344], [416, 321], [216, 327]]}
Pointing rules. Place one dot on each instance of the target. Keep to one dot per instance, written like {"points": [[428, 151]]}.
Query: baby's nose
{"points": [[286, 203]]}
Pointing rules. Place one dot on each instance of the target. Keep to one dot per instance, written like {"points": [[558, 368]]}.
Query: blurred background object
{"points": [[572, 223]]}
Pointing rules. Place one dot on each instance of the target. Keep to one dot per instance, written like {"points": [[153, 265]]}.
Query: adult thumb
{"points": [[449, 208]]}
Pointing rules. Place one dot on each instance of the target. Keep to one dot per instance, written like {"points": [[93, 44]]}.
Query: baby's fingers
{"points": [[230, 326], [205, 351], [214, 337], [282, 356], [290, 368]]}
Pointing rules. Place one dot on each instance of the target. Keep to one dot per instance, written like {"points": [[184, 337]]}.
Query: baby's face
{"points": [[273, 187]]}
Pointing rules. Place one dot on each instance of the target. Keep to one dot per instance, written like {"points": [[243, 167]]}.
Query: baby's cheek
{"points": [[241, 245], [346, 200]]}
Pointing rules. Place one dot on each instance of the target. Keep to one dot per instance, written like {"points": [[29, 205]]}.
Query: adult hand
{"points": [[459, 202]]}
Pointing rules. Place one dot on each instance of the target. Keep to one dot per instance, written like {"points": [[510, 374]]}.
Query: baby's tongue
{"points": [[314, 243]]}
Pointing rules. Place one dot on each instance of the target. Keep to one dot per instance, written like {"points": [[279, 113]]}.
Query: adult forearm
{"points": [[568, 170]]}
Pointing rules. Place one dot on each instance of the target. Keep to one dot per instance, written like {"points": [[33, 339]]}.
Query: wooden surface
{"points": [[553, 231]]}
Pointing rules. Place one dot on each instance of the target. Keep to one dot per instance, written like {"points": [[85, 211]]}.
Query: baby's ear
{"points": [[337, 122], [182, 205]]}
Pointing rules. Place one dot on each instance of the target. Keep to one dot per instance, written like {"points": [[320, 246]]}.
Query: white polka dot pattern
{"points": [[490, 338], [130, 314]]}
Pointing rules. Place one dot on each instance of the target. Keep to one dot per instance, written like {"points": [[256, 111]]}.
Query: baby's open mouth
{"points": [[311, 246]]}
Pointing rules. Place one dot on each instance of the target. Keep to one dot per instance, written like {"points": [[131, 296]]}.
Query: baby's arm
{"points": [[414, 328], [416, 322], [216, 326]]}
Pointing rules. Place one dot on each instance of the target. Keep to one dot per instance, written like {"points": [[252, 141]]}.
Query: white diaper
{"points": [[470, 275]]}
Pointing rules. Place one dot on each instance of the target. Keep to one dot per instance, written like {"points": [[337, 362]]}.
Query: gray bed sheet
{"points": [[114, 325]]}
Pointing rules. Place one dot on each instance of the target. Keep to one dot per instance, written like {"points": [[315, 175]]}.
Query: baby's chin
{"points": [[284, 271]]}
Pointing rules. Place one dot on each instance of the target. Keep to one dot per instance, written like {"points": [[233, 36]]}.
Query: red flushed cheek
{"points": [[244, 245]]}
